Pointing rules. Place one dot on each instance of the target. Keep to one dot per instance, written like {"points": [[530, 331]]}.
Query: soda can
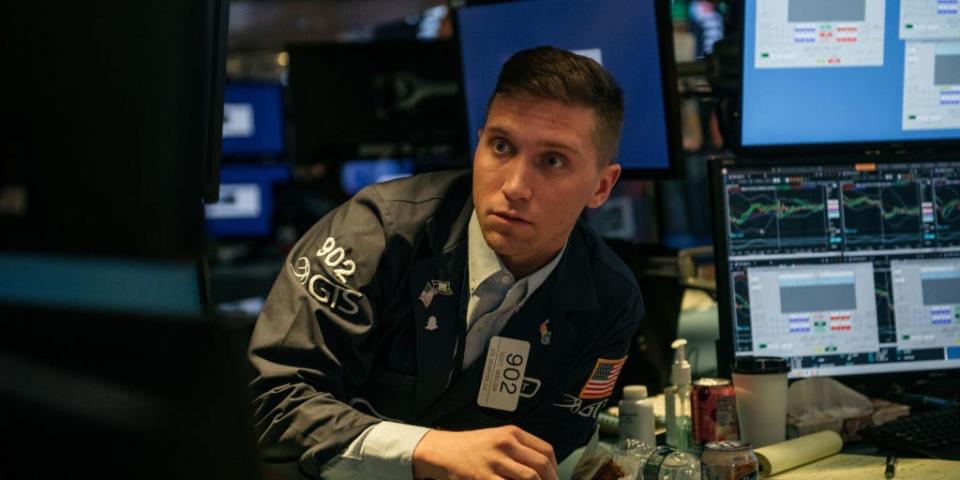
{"points": [[714, 408], [729, 460]]}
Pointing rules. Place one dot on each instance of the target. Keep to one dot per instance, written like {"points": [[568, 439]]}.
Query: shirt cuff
{"points": [[387, 450]]}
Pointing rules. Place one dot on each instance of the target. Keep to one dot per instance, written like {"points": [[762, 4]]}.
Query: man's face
{"points": [[536, 167]]}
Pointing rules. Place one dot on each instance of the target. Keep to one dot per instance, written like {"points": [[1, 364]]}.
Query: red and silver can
{"points": [[729, 460], [714, 409]]}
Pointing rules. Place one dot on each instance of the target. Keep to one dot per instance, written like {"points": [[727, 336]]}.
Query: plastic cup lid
{"points": [[760, 365]]}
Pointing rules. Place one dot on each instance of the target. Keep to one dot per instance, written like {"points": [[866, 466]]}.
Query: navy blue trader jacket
{"points": [[367, 322]]}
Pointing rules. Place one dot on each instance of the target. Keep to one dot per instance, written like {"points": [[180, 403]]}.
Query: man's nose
{"points": [[518, 184]]}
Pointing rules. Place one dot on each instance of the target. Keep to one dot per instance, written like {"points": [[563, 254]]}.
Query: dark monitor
{"points": [[123, 395], [850, 74], [111, 126], [111, 130], [253, 120], [376, 100], [849, 266], [631, 39]]}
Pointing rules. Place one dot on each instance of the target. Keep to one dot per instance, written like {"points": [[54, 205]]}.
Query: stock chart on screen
{"points": [[844, 268]]}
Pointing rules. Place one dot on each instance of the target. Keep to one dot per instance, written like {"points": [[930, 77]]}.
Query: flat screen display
{"points": [[850, 72], [253, 120], [844, 268]]}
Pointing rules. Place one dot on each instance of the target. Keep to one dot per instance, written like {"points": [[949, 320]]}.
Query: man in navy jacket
{"points": [[451, 325]]}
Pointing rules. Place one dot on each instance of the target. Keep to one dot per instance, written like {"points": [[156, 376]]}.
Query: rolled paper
{"points": [[783, 456]]}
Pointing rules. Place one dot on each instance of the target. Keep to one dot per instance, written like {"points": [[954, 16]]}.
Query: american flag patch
{"points": [[426, 296], [603, 378]]}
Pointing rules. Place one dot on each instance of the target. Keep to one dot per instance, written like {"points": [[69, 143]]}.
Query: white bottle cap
{"points": [[680, 372], [635, 392]]}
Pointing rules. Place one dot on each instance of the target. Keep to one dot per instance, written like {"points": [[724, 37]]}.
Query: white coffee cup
{"points": [[760, 384]]}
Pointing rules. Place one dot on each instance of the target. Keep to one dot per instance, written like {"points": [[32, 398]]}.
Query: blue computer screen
{"points": [[252, 119], [621, 34], [356, 174], [850, 71], [245, 207]]}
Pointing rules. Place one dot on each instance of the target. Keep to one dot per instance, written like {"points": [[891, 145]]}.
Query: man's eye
{"points": [[553, 161], [500, 146]]}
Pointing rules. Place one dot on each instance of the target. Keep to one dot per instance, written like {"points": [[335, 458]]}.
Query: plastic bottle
{"points": [[677, 396], [636, 418], [657, 463]]}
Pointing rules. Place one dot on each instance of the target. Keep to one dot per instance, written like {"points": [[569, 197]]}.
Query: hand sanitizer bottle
{"points": [[678, 417]]}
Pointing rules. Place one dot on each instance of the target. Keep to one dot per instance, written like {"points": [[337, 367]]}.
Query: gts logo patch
{"points": [[334, 296]]}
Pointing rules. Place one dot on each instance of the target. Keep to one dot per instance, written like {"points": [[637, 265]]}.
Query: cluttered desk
{"points": [[832, 431], [823, 454]]}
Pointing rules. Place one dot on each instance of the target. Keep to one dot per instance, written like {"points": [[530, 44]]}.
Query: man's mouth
{"points": [[511, 217]]}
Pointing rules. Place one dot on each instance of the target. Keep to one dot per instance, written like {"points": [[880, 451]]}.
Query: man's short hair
{"points": [[551, 73]]}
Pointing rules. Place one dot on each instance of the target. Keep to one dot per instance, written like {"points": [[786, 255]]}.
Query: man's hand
{"points": [[503, 452]]}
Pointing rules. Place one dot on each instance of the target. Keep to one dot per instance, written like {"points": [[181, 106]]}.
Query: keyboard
{"points": [[934, 434]]}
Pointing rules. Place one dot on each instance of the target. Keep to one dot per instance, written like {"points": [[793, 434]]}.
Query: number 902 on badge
{"points": [[506, 362]]}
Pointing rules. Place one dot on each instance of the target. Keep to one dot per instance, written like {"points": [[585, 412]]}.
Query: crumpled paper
{"points": [[820, 399], [818, 404], [815, 399]]}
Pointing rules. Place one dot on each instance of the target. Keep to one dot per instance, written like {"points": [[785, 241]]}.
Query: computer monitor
{"points": [[849, 74], [112, 129], [253, 120], [631, 39], [356, 174], [111, 365], [246, 204], [849, 266], [376, 100]]}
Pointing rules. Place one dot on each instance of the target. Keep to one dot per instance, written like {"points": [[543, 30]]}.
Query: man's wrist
{"points": [[424, 458], [387, 451]]}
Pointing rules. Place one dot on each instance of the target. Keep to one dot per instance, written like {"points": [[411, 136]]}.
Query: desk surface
{"points": [[857, 460], [845, 466]]}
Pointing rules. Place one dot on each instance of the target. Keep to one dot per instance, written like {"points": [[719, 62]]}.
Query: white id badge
{"points": [[503, 373]]}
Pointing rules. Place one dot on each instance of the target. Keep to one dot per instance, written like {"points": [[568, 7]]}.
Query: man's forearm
{"points": [[382, 451]]}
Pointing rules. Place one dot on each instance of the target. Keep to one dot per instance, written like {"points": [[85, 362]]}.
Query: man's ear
{"points": [[608, 178]]}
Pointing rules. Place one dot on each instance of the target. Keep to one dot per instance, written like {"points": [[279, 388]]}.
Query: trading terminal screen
{"points": [[850, 71], [844, 269]]}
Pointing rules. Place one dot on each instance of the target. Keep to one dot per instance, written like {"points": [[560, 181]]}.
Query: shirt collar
{"points": [[484, 263]]}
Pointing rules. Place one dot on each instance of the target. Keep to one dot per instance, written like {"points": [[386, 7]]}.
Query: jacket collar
{"points": [[575, 290]]}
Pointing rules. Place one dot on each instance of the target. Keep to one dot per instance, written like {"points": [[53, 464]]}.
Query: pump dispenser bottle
{"points": [[677, 396]]}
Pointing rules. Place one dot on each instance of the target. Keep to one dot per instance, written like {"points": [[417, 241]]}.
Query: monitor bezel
{"points": [[669, 90], [725, 350], [876, 147]]}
